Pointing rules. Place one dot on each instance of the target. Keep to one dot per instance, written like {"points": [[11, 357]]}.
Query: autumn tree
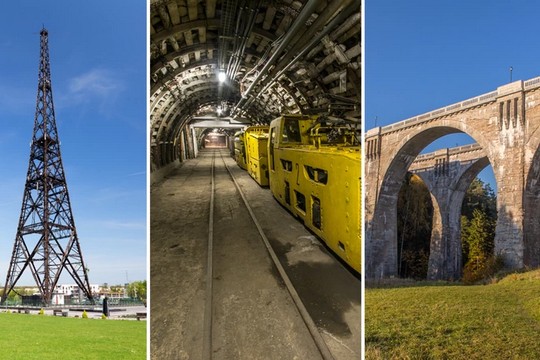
{"points": [[479, 217], [415, 214]]}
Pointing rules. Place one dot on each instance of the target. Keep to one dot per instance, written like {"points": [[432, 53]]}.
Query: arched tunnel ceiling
{"points": [[280, 56]]}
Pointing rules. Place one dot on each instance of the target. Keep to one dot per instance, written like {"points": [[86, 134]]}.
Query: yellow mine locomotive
{"points": [[315, 173], [256, 145], [240, 150]]}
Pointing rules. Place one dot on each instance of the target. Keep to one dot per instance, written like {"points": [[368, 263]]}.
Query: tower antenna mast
{"points": [[46, 241]]}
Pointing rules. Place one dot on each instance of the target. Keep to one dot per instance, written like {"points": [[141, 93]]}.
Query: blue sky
{"points": [[98, 68], [422, 55]]}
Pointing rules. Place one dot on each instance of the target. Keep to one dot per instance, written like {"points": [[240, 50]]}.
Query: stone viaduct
{"points": [[505, 124], [447, 174]]}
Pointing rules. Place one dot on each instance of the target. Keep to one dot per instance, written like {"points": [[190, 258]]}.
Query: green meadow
{"points": [[451, 321], [27, 336]]}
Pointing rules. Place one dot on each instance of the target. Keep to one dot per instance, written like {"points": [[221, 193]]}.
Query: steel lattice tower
{"points": [[46, 240]]}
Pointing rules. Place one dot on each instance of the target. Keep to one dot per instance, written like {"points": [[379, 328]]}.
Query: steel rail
{"points": [[208, 307]]}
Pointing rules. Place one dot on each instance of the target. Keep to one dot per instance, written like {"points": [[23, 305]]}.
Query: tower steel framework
{"points": [[46, 240]]}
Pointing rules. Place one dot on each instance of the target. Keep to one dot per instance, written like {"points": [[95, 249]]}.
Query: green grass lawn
{"points": [[437, 321], [25, 336]]}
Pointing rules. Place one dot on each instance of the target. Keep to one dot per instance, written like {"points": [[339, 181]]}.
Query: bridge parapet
{"points": [[515, 86], [441, 158]]}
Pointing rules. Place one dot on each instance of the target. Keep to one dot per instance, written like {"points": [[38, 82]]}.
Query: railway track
{"points": [[230, 215], [251, 314]]}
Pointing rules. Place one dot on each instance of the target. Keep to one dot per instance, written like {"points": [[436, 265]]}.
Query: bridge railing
{"points": [[451, 151], [479, 100], [465, 104], [532, 83], [428, 162]]}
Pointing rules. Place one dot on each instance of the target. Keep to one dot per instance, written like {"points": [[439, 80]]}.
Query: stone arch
{"points": [[382, 229], [445, 256], [452, 263]]}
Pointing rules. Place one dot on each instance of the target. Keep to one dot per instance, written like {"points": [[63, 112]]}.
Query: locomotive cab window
{"points": [[291, 131], [272, 139]]}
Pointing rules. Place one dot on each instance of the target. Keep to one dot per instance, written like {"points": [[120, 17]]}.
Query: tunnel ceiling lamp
{"points": [[222, 76]]}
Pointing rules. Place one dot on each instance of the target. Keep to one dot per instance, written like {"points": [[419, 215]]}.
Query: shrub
{"points": [[103, 316], [41, 312], [481, 269], [84, 314]]}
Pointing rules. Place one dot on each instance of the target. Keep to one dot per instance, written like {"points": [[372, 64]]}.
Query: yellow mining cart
{"points": [[240, 149], [256, 143], [315, 173]]}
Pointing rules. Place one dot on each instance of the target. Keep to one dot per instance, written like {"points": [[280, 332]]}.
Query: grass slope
{"points": [[496, 321], [46, 337]]}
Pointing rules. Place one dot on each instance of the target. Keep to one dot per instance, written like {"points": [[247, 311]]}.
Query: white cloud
{"points": [[124, 225], [98, 82], [98, 88]]}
